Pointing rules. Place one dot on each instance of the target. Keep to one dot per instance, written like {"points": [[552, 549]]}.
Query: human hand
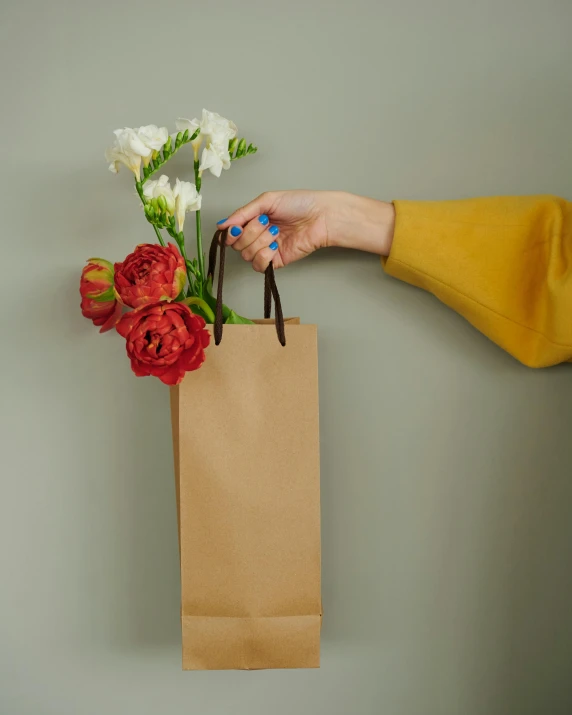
{"points": [[284, 226]]}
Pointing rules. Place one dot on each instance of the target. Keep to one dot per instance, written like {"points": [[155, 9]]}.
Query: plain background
{"points": [[447, 488]]}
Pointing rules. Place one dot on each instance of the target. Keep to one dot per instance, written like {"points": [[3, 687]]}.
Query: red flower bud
{"points": [[98, 300]]}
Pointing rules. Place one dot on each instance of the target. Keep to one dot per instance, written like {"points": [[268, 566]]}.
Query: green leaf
{"points": [[208, 296], [200, 305], [234, 319], [196, 309], [252, 149]]}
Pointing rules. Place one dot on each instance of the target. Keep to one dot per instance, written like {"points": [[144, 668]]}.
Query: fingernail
{"points": [[274, 230], [263, 218], [235, 231], [218, 223], [273, 245]]}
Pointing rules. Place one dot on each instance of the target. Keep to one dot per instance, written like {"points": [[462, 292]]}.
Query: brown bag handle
{"points": [[270, 290]]}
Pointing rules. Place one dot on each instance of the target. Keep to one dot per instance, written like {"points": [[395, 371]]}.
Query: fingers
{"points": [[263, 240], [267, 255], [240, 238], [261, 205], [257, 242]]}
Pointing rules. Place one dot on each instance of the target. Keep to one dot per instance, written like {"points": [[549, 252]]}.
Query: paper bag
{"points": [[246, 444]]}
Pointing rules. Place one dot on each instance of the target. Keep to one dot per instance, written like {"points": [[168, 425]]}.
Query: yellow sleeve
{"points": [[505, 264]]}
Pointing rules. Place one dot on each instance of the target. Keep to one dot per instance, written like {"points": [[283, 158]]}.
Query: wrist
{"points": [[363, 224]]}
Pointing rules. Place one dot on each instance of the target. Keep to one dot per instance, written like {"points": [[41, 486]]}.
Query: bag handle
{"points": [[270, 290]]}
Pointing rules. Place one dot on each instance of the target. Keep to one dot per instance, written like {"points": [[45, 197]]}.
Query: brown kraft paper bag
{"points": [[246, 445]]}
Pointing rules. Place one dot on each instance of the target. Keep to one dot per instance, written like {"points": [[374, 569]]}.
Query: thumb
{"points": [[263, 204]]}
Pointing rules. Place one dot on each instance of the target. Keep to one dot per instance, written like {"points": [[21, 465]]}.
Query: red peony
{"points": [[150, 274], [98, 300], [165, 340]]}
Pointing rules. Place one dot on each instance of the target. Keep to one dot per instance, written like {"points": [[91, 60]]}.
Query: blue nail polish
{"points": [[274, 230], [235, 231], [218, 223], [263, 218], [273, 245]]}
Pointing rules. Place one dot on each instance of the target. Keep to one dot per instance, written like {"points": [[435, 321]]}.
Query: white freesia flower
{"points": [[128, 149], [191, 124], [153, 137], [161, 187], [214, 129], [215, 157], [187, 198]]}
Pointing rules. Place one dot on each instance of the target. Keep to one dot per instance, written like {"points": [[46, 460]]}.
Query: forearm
{"points": [[361, 223]]}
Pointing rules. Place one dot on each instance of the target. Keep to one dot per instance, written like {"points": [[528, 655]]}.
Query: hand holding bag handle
{"points": [[270, 290]]}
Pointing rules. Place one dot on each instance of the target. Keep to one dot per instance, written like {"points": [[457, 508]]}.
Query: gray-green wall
{"points": [[447, 486]]}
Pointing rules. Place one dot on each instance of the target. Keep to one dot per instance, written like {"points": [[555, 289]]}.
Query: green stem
{"points": [[159, 235], [200, 247], [202, 305], [181, 244], [200, 254]]}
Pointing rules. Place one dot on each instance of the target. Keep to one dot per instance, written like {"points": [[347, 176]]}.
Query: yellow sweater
{"points": [[505, 264]]}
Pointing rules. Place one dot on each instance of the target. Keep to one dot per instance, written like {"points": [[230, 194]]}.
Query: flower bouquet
{"points": [[170, 295], [248, 496]]}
